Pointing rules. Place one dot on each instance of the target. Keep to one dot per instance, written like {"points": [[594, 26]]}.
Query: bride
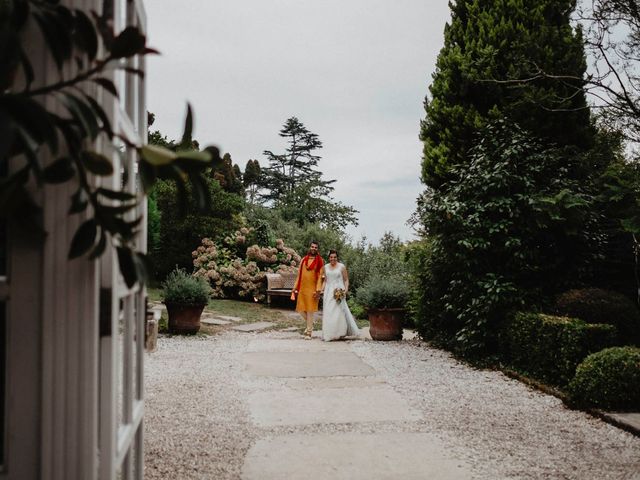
{"points": [[337, 321]]}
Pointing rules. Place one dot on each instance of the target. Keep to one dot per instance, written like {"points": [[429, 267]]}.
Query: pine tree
{"points": [[293, 184], [251, 178], [298, 164], [486, 45], [228, 175]]}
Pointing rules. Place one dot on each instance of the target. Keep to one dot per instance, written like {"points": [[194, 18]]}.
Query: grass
{"points": [[249, 312], [154, 294]]}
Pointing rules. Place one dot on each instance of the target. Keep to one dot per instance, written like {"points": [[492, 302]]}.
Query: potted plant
{"points": [[385, 299], [185, 296]]}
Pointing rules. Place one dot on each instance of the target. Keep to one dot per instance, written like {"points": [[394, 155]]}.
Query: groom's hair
{"points": [[313, 242]]}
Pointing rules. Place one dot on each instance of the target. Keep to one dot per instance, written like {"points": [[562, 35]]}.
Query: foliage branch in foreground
{"points": [[32, 129]]}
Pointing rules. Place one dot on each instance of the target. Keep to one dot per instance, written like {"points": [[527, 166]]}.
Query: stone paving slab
{"points": [[232, 319], [306, 364], [332, 382], [352, 456], [252, 327], [629, 420], [214, 321], [295, 343], [329, 405]]}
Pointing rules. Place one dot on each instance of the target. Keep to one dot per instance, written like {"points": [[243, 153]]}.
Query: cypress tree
{"points": [[486, 45]]}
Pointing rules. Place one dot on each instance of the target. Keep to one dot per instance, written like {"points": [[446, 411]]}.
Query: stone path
{"points": [[271, 405], [329, 385]]}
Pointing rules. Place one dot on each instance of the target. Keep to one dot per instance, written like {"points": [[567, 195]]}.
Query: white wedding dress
{"points": [[337, 321]]}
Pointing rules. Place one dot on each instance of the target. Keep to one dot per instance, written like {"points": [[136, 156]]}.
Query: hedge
{"points": [[608, 379], [595, 305], [550, 348]]}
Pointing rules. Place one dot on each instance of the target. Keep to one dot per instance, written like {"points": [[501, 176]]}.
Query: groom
{"points": [[306, 286]]}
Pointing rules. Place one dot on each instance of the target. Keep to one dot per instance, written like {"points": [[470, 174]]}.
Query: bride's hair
{"points": [[333, 251]]}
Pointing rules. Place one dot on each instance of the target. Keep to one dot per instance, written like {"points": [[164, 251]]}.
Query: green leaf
{"points": [[108, 85], [143, 266], [100, 247], [33, 118], [97, 163], [27, 68], [59, 171], [116, 209], [127, 266], [116, 194], [133, 71], [82, 113], [72, 134], [87, 39], [128, 43], [83, 239], [200, 191], [148, 176], [79, 201], [195, 155], [57, 38], [106, 124], [156, 155], [187, 136]]}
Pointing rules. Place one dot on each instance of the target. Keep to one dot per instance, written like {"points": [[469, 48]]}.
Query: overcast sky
{"points": [[355, 72]]}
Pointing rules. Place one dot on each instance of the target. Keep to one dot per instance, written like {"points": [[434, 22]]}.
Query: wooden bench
{"points": [[280, 285]]}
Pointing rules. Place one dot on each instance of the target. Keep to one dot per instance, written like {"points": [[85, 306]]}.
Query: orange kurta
{"points": [[307, 302]]}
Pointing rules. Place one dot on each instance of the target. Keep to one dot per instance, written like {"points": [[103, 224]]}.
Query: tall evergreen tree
{"points": [[228, 175], [298, 164], [251, 179], [486, 45], [293, 184]]}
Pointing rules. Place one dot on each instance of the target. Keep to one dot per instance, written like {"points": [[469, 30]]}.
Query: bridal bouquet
{"points": [[338, 294]]}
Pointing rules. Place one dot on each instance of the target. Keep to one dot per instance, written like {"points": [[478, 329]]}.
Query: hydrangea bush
{"points": [[236, 268]]}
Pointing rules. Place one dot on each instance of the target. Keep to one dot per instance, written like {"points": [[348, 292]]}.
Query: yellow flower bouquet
{"points": [[339, 294]]}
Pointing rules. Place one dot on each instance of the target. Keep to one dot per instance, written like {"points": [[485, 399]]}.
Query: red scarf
{"points": [[316, 265]]}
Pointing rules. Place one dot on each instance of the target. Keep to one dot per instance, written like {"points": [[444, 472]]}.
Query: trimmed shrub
{"points": [[383, 292], [550, 348], [183, 289], [595, 305], [608, 379]]}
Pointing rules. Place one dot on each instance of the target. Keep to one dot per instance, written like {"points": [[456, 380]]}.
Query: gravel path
{"points": [[197, 423]]}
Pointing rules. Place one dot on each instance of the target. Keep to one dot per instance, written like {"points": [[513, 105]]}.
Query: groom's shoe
{"points": [[308, 334]]}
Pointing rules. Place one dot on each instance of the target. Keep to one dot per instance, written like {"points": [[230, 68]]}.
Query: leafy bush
{"points": [[357, 310], [549, 347], [181, 233], [183, 289], [367, 260], [272, 225], [619, 200], [383, 292], [509, 229], [608, 379], [594, 305], [153, 224]]}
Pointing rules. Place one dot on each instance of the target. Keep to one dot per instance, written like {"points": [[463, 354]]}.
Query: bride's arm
{"points": [[345, 277]]}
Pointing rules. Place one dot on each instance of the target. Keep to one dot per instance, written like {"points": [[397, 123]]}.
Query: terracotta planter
{"points": [[386, 323], [184, 318]]}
